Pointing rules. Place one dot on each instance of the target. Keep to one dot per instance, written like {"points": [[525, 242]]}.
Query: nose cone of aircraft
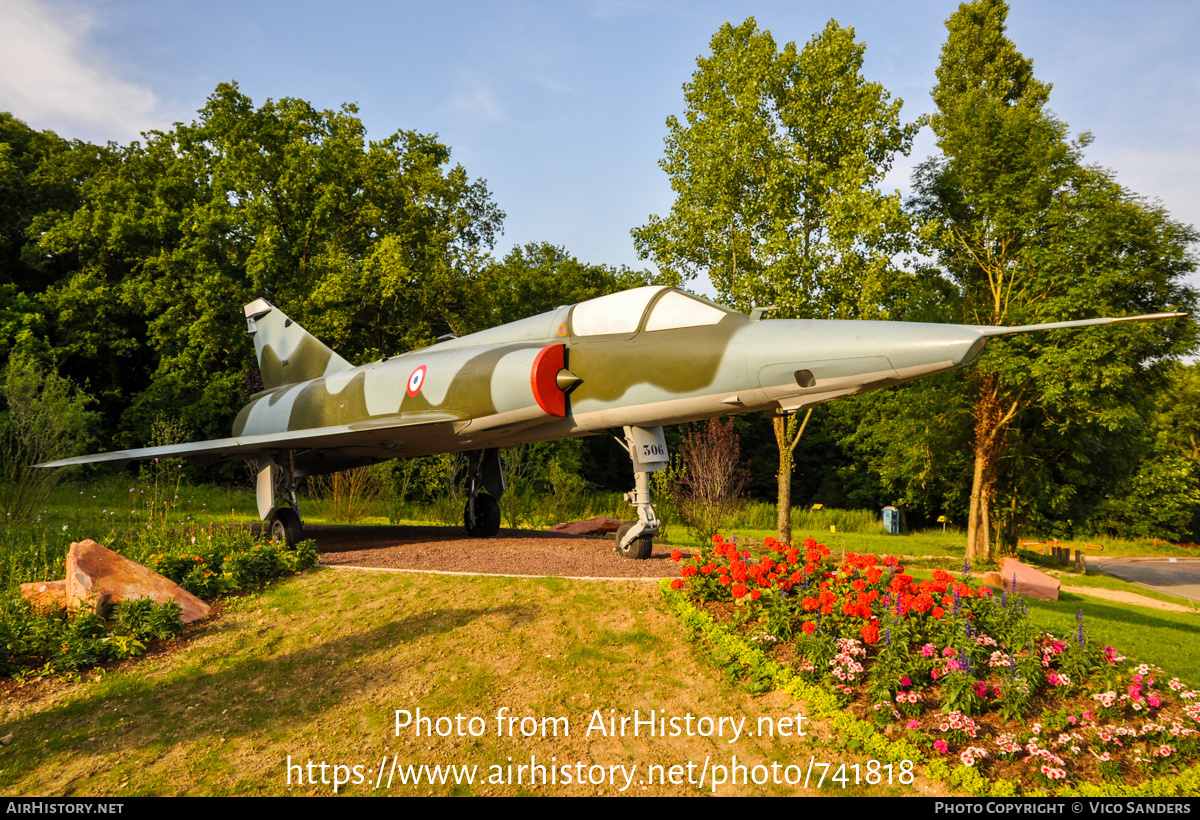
{"points": [[912, 349], [799, 362], [920, 349]]}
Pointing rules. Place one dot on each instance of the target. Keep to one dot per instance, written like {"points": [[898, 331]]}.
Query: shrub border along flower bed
{"points": [[859, 735]]}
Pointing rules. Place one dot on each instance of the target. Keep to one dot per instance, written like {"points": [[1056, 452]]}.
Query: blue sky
{"points": [[561, 107]]}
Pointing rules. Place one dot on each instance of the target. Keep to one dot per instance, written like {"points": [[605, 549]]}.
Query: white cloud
{"points": [[479, 102], [52, 79]]}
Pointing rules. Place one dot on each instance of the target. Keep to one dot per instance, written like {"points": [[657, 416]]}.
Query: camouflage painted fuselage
{"points": [[642, 358], [480, 391]]}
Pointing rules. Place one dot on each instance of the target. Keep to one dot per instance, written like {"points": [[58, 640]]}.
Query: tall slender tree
{"points": [[1028, 233], [776, 170]]}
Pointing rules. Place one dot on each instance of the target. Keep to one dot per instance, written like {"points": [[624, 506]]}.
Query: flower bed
{"points": [[952, 669]]}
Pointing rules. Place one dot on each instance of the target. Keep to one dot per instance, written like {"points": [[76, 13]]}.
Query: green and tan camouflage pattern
{"points": [[477, 393]]}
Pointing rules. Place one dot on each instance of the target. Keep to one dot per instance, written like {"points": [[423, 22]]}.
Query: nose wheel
{"points": [[639, 548], [648, 451]]}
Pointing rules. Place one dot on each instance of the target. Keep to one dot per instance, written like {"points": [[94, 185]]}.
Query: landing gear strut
{"points": [[482, 514], [284, 522], [648, 451]]}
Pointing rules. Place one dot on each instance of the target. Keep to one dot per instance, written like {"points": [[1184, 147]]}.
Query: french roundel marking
{"points": [[416, 380]]}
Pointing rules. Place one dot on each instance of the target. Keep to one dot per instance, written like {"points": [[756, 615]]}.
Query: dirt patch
{"points": [[512, 552]]}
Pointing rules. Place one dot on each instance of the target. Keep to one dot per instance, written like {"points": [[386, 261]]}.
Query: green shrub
{"points": [[248, 567], [300, 557], [146, 619], [204, 583], [84, 643], [43, 417]]}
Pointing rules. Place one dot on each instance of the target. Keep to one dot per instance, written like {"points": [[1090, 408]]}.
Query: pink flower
{"points": [[912, 724], [1154, 701], [941, 746], [905, 681]]}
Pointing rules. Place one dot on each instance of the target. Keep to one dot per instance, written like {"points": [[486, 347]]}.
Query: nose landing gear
{"points": [[647, 450]]}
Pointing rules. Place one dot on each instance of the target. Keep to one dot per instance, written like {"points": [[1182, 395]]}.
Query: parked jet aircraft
{"points": [[629, 363]]}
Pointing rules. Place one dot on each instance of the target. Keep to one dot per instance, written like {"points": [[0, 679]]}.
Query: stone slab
{"points": [[1031, 583], [46, 596]]}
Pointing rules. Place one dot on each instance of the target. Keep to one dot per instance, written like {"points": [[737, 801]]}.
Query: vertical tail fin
{"points": [[287, 353]]}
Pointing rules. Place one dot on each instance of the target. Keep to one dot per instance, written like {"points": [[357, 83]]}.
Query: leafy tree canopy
{"points": [[776, 171], [373, 246], [539, 277], [1026, 232]]}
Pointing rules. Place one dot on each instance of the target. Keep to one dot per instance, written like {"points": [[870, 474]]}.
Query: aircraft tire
{"points": [[285, 526], [639, 548], [488, 517]]}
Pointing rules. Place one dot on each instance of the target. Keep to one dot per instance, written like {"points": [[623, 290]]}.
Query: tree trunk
{"points": [[783, 520], [784, 438], [992, 418]]}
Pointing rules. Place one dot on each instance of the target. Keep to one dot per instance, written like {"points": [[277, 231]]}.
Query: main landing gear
{"points": [[647, 450], [283, 523], [481, 517]]}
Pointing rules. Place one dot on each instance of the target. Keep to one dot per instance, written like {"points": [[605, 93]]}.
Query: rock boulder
{"points": [[593, 526], [97, 578], [46, 596]]}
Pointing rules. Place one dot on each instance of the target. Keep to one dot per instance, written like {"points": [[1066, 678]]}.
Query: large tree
{"points": [[776, 171], [1028, 233], [373, 246]]}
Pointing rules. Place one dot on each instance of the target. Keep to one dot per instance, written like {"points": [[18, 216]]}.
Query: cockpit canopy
{"points": [[622, 313]]}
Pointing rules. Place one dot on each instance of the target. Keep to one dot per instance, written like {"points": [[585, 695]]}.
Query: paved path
{"points": [[1174, 576]]}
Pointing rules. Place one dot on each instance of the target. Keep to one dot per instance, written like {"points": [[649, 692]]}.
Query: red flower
{"points": [[676, 555], [755, 595], [677, 583], [739, 590], [938, 612], [809, 627]]}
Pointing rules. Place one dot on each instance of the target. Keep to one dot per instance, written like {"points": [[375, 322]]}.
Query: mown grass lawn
{"points": [[315, 668]]}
